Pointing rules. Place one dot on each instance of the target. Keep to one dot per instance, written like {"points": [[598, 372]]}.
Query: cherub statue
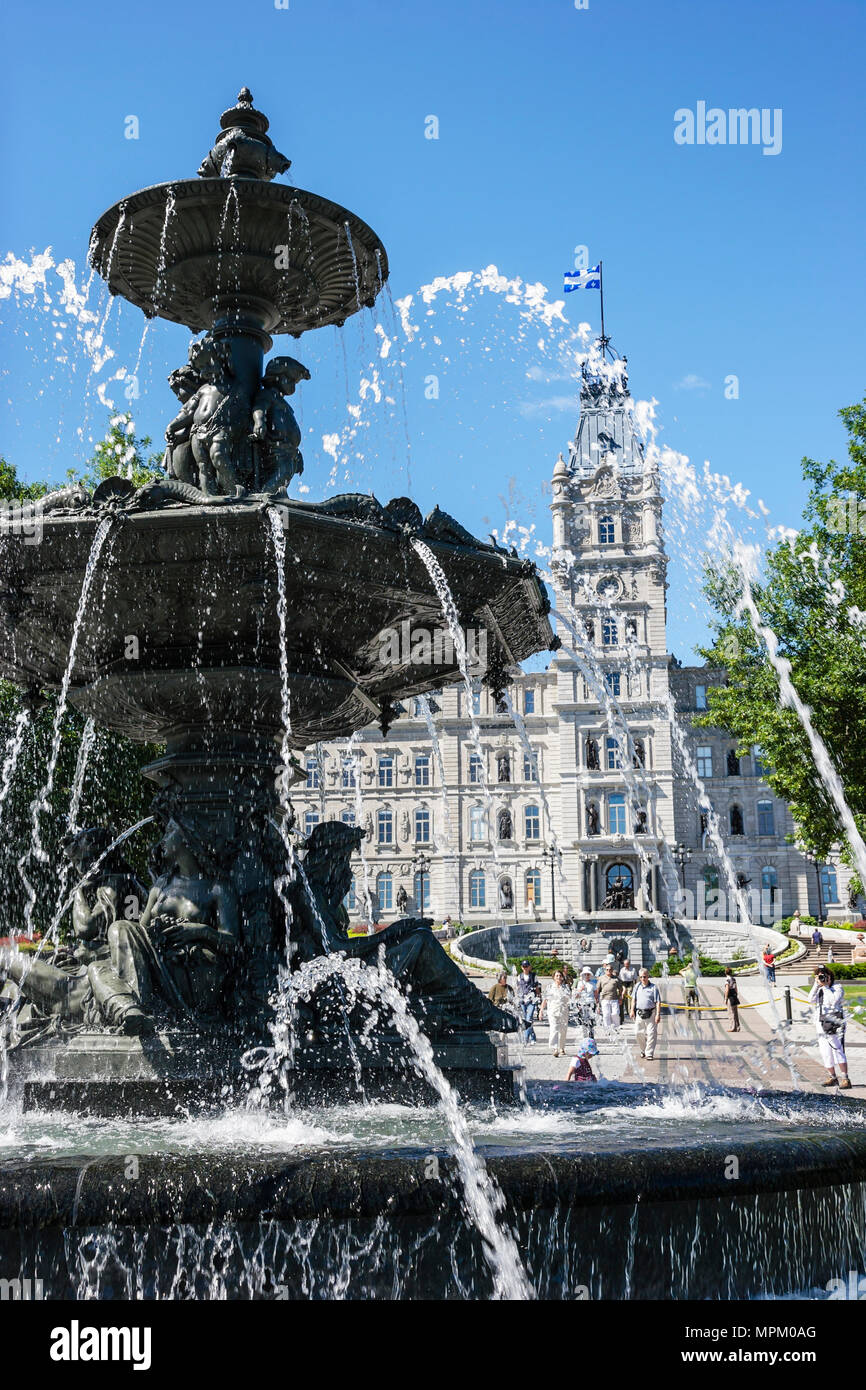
{"points": [[178, 461], [214, 419], [275, 429]]}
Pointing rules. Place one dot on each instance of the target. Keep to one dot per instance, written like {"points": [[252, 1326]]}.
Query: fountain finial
{"points": [[243, 148]]}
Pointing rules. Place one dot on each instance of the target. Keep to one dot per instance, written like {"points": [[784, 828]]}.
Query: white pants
{"points": [[610, 1013], [832, 1049], [648, 1031], [558, 1030]]}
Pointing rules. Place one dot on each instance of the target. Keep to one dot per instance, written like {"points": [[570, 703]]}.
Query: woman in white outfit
{"points": [[556, 1002], [829, 1001]]}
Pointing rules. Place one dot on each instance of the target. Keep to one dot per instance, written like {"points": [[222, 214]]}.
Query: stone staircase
{"points": [[815, 956]]}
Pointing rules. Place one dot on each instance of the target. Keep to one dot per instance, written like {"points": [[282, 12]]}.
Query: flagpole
{"points": [[601, 294]]}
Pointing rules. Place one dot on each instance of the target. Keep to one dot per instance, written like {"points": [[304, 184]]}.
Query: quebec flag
{"points": [[589, 279]]}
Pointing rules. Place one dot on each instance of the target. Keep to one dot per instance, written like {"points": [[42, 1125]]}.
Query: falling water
{"points": [[483, 1198], [517, 721], [40, 804], [14, 744], [433, 735]]}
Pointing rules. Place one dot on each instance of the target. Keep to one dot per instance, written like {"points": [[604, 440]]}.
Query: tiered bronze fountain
{"points": [[163, 1004]]}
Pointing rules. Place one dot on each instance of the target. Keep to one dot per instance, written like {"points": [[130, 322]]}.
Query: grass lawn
{"points": [[855, 998]]}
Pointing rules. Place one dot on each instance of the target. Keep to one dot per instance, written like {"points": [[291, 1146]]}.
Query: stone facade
{"points": [[464, 823]]}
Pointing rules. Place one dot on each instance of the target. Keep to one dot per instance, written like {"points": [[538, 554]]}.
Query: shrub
{"points": [[543, 965], [675, 965]]}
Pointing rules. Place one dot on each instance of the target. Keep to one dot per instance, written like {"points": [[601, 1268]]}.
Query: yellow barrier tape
{"points": [[718, 1008]]}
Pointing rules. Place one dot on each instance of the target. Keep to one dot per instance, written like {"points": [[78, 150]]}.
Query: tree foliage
{"points": [[812, 594]]}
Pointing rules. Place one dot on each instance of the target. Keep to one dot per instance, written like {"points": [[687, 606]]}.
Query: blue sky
{"points": [[555, 130]]}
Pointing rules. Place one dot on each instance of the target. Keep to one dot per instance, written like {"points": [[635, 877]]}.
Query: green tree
{"points": [[13, 490], [812, 594], [122, 454]]}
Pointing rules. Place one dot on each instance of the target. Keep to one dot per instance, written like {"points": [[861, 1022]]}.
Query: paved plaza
{"points": [[697, 1048]]}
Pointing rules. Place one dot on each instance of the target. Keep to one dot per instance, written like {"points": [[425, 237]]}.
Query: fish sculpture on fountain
{"points": [[193, 564]]}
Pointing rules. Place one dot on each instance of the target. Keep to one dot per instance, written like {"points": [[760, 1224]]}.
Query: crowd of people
{"points": [[616, 992]]}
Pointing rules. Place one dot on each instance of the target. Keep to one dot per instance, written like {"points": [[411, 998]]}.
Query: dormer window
{"points": [[606, 530]]}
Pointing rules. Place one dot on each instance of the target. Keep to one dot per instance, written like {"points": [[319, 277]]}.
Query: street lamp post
{"points": [[422, 867], [815, 859], [681, 855], [550, 854]]}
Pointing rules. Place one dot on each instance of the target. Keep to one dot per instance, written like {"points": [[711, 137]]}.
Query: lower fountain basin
{"points": [[622, 1193]]}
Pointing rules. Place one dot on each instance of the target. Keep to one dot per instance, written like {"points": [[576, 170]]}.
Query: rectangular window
{"points": [[700, 697], [530, 768], [313, 773], [616, 807], [532, 822], [704, 760], [758, 763], [311, 819], [613, 682], [477, 823], [613, 758], [475, 768], [766, 818], [422, 770], [609, 633], [348, 774], [347, 817], [477, 889], [529, 700], [476, 700], [386, 828], [606, 530], [422, 826], [386, 772]]}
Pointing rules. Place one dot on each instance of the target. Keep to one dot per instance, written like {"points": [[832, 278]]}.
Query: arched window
{"points": [[422, 826], [533, 887], [477, 823], [477, 888], [532, 823], [422, 891], [829, 887], [606, 530], [385, 822], [384, 891], [609, 632], [736, 818]]}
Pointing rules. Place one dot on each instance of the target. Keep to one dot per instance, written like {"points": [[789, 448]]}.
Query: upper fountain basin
{"points": [[211, 250], [195, 587]]}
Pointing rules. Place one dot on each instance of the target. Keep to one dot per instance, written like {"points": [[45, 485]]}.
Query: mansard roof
{"points": [[606, 431]]}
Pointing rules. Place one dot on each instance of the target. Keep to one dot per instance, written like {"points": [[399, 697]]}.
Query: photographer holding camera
{"points": [[829, 1001]]}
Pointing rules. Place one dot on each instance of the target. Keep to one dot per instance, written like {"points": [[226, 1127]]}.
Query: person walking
{"points": [[586, 997], [627, 978], [646, 1007], [556, 1003], [829, 1001], [689, 979], [501, 993], [769, 964], [817, 937], [732, 999], [831, 954], [528, 990], [610, 994]]}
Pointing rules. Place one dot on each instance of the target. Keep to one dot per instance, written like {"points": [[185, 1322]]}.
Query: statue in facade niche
{"points": [[593, 821], [506, 894], [275, 430], [437, 991], [592, 762], [402, 899], [504, 824], [503, 767]]}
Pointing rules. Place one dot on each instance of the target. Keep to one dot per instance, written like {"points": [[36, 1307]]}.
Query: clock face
{"points": [[609, 587]]}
